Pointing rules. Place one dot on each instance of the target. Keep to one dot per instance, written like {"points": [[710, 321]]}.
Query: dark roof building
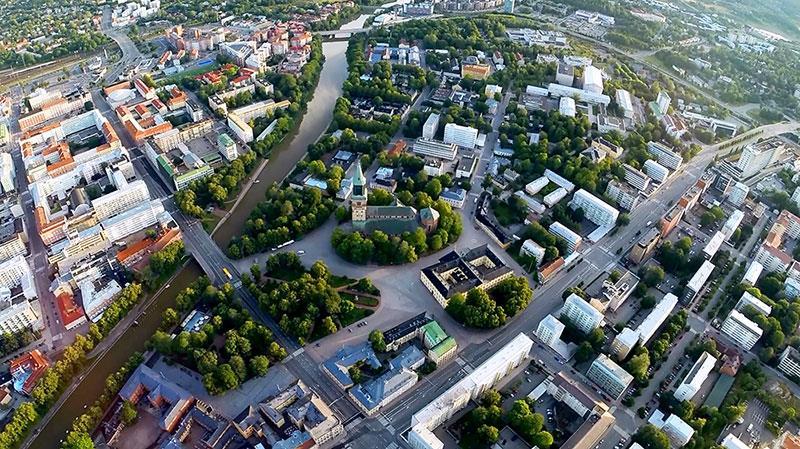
{"points": [[458, 273]]}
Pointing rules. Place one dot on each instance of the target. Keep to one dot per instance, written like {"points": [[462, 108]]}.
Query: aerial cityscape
{"points": [[423, 224]]}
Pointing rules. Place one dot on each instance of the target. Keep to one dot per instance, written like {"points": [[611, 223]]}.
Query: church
{"points": [[393, 219]]}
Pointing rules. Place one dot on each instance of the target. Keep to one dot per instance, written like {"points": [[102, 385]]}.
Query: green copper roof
{"points": [[358, 176], [444, 347], [434, 334]]}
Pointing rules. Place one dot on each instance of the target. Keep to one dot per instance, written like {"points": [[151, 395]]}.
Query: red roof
{"points": [[34, 363], [69, 310]]}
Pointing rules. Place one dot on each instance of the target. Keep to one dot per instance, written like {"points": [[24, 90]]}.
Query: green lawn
{"points": [[360, 300], [354, 316], [340, 281]]}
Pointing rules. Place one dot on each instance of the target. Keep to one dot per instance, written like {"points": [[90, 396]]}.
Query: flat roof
{"points": [[714, 244], [656, 317], [701, 276]]}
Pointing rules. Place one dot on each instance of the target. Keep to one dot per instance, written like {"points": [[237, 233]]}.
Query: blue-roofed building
{"points": [[372, 395], [454, 197], [337, 366]]}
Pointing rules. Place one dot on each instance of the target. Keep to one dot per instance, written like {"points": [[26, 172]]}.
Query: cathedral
{"points": [[393, 219]]}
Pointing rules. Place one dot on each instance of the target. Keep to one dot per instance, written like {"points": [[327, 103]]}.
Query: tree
{"points": [[259, 365], [378, 343], [650, 437], [355, 374], [78, 440], [128, 413], [653, 275], [584, 352], [169, 318], [328, 326], [490, 398], [638, 364], [488, 434]]}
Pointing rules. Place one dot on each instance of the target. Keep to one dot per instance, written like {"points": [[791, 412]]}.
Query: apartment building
{"points": [[697, 282], [743, 331], [609, 376], [125, 197], [664, 155], [463, 136], [596, 210], [656, 171], [789, 362], [432, 148], [581, 314], [16, 272], [626, 196], [758, 156], [645, 246], [635, 177], [431, 126], [573, 239], [691, 384], [549, 330]]}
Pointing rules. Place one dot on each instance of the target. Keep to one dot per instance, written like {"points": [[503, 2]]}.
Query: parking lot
{"points": [[751, 430]]}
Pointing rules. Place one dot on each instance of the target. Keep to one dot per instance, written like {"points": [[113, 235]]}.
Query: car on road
{"points": [[300, 252]]}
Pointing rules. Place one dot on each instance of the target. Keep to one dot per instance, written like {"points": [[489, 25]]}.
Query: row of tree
{"points": [[483, 423]]}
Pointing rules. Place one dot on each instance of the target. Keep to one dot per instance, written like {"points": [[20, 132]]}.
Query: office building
{"points": [[468, 388], [227, 147], [614, 294], [758, 156], [609, 376], [573, 240], [713, 245], [624, 195], [789, 362], [581, 314], [624, 342], [557, 90], [645, 246], [27, 369], [373, 394], [454, 197], [664, 155], [732, 223], [7, 173], [656, 171], [748, 299], [17, 315], [738, 194], [431, 126], [458, 273], [697, 282], [741, 330], [592, 79], [432, 148], [549, 330], [662, 103], [299, 407], [753, 272], [791, 288], [463, 136], [566, 107], [154, 390], [134, 220], [595, 209], [691, 384]]}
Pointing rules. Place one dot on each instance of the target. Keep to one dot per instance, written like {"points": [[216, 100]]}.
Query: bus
{"points": [[227, 273]]}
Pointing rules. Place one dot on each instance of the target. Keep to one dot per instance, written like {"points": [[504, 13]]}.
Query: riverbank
{"points": [[313, 124]]}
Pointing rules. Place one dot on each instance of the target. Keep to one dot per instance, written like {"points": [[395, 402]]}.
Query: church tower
{"points": [[358, 200]]}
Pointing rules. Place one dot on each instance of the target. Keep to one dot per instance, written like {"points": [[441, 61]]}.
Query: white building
{"points": [[555, 196], [549, 330], [624, 102], [581, 314], [796, 196], [566, 106], [133, 220], [565, 74], [470, 387], [713, 245], [16, 272], [96, 300], [636, 177], [573, 240], [678, 431], [732, 223], [656, 318], [536, 185], [691, 384], [431, 126], [791, 288], [753, 272], [731, 442], [624, 342], [741, 330], [662, 103], [697, 281], [7, 173], [758, 156], [789, 362], [609, 376], [432, 148], [595, 209], [656, 171], [532, 249], [463, 136], [592, 79], [738, 194], [665, 155], [120, 200], [626, 197], [15, 316], [748, 299]]}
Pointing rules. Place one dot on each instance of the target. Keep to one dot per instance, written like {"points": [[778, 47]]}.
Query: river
{"points": [[315, 121]]}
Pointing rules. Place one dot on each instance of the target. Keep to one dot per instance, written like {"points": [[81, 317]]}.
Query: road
{"points": [[130, 53]]}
